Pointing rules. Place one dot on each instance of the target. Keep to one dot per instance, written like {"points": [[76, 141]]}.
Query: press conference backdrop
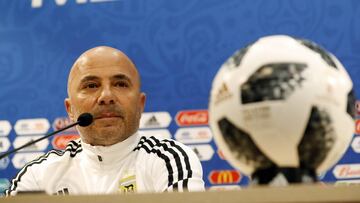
{"points": [[178, 46]]}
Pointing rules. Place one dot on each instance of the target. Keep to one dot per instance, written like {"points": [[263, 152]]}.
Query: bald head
{"points": [[101, 56], [104, 82]]}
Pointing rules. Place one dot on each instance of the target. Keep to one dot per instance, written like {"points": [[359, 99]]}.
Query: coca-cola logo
{"points": [[347, 171], [60, 141], [193, 117]]}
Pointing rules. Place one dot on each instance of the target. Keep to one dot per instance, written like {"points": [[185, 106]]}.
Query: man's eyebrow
{"points": [[88, 78], [122, 77], [114, 77]]}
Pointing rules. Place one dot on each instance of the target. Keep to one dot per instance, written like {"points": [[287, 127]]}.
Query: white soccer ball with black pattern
{"points": [[282, 101]]}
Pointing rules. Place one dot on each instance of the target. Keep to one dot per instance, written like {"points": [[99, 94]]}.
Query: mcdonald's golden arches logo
{"points": [[224, 177]]}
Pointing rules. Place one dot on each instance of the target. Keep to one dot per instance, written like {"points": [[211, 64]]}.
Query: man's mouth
{"points": [[107, 116]]}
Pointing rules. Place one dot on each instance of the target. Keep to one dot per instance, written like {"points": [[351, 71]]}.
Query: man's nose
{"points": [[106, 96]]}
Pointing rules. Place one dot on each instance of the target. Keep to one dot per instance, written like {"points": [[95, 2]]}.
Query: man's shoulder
{"points": [[55, 156], [36, 172], [151, 144], [151, 147], [169, 162]]}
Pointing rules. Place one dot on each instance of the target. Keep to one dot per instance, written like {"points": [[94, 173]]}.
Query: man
{"points": [[111, 156]]}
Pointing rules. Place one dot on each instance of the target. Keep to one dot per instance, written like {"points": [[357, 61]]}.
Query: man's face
{"points": [[105, 83]]}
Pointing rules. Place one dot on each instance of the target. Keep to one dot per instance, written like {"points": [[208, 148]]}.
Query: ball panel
{"points": [[323, 53], [238, 56], [274, 81], [344, 129], [242, 146], [318, 139], [350, 107]]}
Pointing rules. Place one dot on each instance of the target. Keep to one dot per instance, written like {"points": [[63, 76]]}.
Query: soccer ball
{"points": [[282, 101]]}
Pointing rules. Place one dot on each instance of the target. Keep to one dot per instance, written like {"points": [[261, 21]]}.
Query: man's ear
{"points": [[69, 109], [142, 101]]}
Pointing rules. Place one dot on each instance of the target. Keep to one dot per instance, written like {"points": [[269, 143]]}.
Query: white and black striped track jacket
{"points": [[138, 164]]}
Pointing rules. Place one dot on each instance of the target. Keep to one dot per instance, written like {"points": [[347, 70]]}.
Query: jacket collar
{"points": [[109, 155]]}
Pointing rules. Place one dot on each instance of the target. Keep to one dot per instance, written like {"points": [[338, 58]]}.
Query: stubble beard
{"points": [[107, 136]]}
